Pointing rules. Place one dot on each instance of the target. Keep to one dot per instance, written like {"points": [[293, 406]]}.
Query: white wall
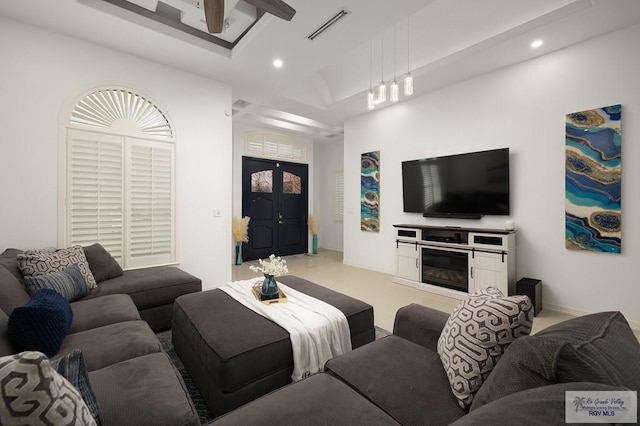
{"points": [[41, 71], [522, 107], [330, 158], [240, 131]]}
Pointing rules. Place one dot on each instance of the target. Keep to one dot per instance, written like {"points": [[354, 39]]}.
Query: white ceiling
{"points": [[324, 82]]}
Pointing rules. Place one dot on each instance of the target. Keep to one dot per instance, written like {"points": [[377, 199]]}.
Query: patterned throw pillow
{"points": [[476, 335], [33, 393], [73, 368], [42, 262], [42, 324], [69, 283]]}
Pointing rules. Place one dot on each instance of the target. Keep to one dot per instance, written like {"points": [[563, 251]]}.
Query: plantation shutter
{"points": [[338, 197], [117, 181], [150, 195], [95, 190]]}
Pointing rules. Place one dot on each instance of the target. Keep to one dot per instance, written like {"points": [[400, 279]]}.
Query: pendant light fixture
{"points": [[393, 94], [408, 79], [371, 98], [382, 89]]}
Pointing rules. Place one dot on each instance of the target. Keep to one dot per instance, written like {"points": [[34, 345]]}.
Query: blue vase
{"points": [[238, 253], [269, 289], [314, 244]]}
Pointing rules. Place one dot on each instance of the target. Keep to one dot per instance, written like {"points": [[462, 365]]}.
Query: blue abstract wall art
{"points": [[593, 151], [370, 192]]}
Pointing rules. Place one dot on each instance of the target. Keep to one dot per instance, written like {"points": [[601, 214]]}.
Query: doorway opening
{"points": [[275, 197]]}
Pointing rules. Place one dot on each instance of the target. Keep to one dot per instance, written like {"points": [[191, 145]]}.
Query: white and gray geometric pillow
{"points": [[42, 262], [476, 335], [33, 393]]}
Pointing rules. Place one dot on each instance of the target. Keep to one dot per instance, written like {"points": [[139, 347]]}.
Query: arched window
{"points": [[118, 177]]}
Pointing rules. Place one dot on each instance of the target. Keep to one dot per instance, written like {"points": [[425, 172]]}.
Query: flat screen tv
{"points": [[466, 186]]}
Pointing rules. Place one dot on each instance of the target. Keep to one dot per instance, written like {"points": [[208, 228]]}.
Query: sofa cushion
{"points": [[150, 287], [144, 390], [541, 406], [9, 260], [106, 310], [476, 335], [542, 359], [42, 324], [103, 266], [6, 346], [317, 400], [104, 346], [611, 356], [404, 379], [73, 368], [68, 282], [34, 393], [46, 261], [13, 292]]}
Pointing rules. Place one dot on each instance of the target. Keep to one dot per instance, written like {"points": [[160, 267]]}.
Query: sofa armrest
{"points": [[420, 324]]}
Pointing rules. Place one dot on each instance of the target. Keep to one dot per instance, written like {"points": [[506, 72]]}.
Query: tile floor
{"points": [[378, 289]]}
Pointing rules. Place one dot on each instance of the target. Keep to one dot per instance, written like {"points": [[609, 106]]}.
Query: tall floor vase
{"points": [[239, 253]]}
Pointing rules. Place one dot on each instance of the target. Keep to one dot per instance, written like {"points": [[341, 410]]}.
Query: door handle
{"points": [[281, 222]]}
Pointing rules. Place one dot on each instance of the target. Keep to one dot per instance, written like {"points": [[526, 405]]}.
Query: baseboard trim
{"points": [[357, 265], [635, 325]]}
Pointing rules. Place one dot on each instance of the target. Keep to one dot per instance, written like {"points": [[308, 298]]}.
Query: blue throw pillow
{"points": [[69, 283], [42, 324], [73, 368]]}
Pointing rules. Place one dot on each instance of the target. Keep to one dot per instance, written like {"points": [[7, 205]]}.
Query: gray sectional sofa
{"points": [[134, 382], [399, 379]]}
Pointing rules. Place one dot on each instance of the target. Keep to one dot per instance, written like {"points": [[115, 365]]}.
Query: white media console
{"points": [[453, 261]]}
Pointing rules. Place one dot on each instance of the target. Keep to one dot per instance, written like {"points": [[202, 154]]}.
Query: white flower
{"points": [[274, 267]]}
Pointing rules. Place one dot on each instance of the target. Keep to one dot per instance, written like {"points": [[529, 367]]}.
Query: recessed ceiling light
{"points": [[278, 63], [536, 43]]}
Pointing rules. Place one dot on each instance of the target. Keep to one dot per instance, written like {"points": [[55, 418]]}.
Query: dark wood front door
{"points": [[274, 196]]}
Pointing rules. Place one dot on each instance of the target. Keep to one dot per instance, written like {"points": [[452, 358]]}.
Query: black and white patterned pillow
{"points": [[33, 393], [476, 335], [42, 262]]}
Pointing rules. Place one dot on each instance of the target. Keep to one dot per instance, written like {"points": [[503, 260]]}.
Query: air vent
{"points": [[324, 27]]}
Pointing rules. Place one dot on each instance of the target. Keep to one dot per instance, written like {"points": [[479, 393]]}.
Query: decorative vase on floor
{"points": [[269, 289], [239, 253], [314, 244]]}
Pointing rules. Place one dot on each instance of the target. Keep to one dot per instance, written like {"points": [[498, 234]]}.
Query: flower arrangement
{"points": [[314, 228], [314, 225], [273, 267], [241, 229]]}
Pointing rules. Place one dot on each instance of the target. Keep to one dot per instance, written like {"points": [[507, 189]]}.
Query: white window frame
{"points": [[118, 113]]}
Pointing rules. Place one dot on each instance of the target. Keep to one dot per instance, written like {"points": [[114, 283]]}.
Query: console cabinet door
{"points": [[407, 261], [489, 270]]}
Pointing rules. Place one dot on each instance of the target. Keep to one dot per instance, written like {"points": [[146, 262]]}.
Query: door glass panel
{"points": [[291, 184], [262, 181]]}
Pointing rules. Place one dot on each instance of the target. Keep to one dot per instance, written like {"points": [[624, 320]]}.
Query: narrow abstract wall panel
{"points": [[370, 191], [592, 184]]}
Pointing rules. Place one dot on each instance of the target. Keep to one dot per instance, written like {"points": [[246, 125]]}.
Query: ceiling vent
{"points": [[324, 27]]}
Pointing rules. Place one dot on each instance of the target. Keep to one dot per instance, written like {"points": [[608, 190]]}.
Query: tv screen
{"points": [[462, 186]]}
